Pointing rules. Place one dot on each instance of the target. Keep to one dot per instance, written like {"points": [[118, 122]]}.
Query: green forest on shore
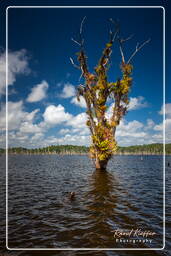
{"points": [[150, 149]]}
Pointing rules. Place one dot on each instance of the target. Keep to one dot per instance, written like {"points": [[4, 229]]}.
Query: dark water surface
{"points": [[41, 215]]}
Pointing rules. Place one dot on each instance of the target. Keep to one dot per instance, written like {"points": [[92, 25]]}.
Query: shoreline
{"points": [[117, 154]]}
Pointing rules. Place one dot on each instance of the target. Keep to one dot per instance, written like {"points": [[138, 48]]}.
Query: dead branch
{"points": [[75, 41], [121, 51], [138, 49], [81, 57], [121, 41], [126, 39], [72, 62], [81, 26], [117, 28], [107, 51]]}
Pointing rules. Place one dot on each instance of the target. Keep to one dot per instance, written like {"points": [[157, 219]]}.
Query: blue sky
{"points": [[42, 82]]}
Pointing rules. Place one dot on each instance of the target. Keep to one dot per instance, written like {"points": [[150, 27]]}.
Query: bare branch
{"points": [[137, 46], [137, 49], [72, 62], [75, 41], [126, 39], [107, 51], [81, 56], [122, 54], [115, 22], [80, 42], [121, 41], [81, 26], [82, 73], [81, 30], [114, 35], [117, 28]]}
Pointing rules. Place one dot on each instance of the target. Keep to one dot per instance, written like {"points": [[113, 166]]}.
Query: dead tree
{"points": [[97, 89]]}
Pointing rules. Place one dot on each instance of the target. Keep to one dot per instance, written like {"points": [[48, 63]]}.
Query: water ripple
{"points": [[41, 215]]}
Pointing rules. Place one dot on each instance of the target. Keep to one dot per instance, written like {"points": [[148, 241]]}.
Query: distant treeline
{"points": [[71, 149], [156, 148]]}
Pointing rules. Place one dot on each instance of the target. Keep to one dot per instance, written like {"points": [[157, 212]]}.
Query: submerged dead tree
{"points": [[97, 89]]}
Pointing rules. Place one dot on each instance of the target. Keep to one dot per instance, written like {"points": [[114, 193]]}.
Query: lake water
{"points": [[41, 215]]}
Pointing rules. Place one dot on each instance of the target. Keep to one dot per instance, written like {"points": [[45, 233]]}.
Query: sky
{"points": [[42, 105]]}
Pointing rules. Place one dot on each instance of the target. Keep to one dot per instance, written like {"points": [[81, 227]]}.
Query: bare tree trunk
{"points": [[100, 164]]}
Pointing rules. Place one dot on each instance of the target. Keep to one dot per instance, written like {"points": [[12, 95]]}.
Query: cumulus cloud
{"points": [[78, 121], [158, 127], [127, 133], [134, 104], [56, 115], [132, 128], [38, 92], [30, 116], [80, 103], [21, 124], [28, 127], [16, 115], [19, 121], [67, 139], [168, 130], [64, 131], [76, 131], [137, 103], [17, 65], [68, 91], [167, 110], [132, 133], [150, 124], [165, 124], [24, 131]]}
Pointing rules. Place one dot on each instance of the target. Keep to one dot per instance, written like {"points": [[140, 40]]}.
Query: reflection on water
{"points": [[41, 215], [101, 204]]}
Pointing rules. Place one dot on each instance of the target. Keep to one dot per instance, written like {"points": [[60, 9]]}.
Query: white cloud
{"points": [[167, 110], [134, 103], [15, 110], [80, 103], [76, 139], [109, 111], [168, 130], [78, 121], [25, 132], [30, 116], [68, 91], [20, 124], [68, 139], [76, 131], [38, 92], [16, 115], [137, 103], [150, 124], [17, 65], [158, 127], [27, 127], [64, 131], [132, 129], [56, 115], [166, 123], [133, 133], [37, 138]]}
